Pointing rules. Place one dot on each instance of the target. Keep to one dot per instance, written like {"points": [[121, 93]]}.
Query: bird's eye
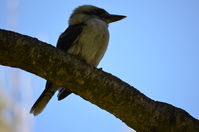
{"points": [[97, 12], [100, 12]]}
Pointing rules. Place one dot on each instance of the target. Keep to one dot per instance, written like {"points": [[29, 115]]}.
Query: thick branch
{"points": [[105, 90]]}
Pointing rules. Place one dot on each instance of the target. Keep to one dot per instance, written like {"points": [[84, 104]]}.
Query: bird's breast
{"points": [[92, 43]]}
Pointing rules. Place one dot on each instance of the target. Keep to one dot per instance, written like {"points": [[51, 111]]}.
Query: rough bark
{"points": [[103, 89]]}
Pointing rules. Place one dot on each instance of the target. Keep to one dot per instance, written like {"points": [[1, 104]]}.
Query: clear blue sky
{"points": [[155, 49]]}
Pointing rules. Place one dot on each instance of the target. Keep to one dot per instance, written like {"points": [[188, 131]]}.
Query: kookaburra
{"points": [[87, 36]]}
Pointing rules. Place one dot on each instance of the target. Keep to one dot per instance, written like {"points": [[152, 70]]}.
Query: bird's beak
{"points": [[113, 18]]}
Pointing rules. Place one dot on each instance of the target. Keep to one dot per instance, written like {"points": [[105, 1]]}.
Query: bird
{"points": [[87, 37]]}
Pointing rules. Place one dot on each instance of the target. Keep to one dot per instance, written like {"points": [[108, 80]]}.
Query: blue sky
{"points": [[155, 49]]}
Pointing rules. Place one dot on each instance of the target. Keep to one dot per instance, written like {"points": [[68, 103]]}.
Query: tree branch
{"points": [[103, 89]]}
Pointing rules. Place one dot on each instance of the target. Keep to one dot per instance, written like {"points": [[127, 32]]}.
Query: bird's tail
{"points": [[44, 98]]}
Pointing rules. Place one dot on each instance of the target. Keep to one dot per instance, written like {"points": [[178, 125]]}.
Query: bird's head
{"points": [[86, 12]]}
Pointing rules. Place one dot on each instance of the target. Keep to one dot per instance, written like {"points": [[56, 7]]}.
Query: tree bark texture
{"points": [[98, 87]]}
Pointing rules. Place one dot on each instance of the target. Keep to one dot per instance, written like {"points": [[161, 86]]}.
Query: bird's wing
{"points": [[67, 38], [64, 43]]}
